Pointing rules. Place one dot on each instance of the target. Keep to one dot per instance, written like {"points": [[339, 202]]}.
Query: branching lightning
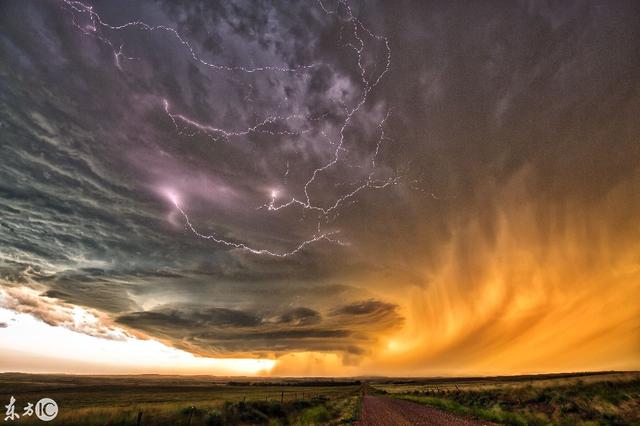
{"points": [[97, 27]]}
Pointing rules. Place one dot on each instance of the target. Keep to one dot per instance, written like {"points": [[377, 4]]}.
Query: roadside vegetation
{"points": [[602, 400], [315, 411]]}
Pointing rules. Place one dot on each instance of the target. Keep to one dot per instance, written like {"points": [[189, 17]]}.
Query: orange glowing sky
{"points": [[516, 303]]}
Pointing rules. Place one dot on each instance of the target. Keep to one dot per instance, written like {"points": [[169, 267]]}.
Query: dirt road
{"points": [[383, 411]]}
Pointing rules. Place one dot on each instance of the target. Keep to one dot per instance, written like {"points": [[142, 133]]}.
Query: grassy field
{"points": [[166, 400], [567, 399]]}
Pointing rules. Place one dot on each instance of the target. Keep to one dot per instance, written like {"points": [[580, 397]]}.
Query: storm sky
{"points": [[407, 187]]}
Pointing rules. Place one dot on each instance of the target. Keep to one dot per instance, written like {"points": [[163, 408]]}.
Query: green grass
{"points": [[607, 401], [350, 409]]}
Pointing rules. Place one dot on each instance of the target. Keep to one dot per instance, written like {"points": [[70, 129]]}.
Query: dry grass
{"points": [[194, 401]]}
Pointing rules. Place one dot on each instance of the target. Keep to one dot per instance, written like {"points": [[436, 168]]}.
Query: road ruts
{"points": [[385, 411]]}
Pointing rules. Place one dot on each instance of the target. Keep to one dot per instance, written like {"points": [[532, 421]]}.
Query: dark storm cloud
{"points": [[91, 287], [212, 330], [300, 316], [369, 307], [488, 100], [190, 317], [90, 152]]}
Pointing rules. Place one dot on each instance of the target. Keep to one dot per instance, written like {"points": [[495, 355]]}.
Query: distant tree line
{"points": [[299, 383]]}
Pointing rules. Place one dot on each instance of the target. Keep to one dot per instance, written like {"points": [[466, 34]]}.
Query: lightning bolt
{"points": [[96, 27]]}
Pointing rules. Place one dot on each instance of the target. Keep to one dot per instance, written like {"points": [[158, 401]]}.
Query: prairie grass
{"points": [[183, 401], [601, 400]]}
